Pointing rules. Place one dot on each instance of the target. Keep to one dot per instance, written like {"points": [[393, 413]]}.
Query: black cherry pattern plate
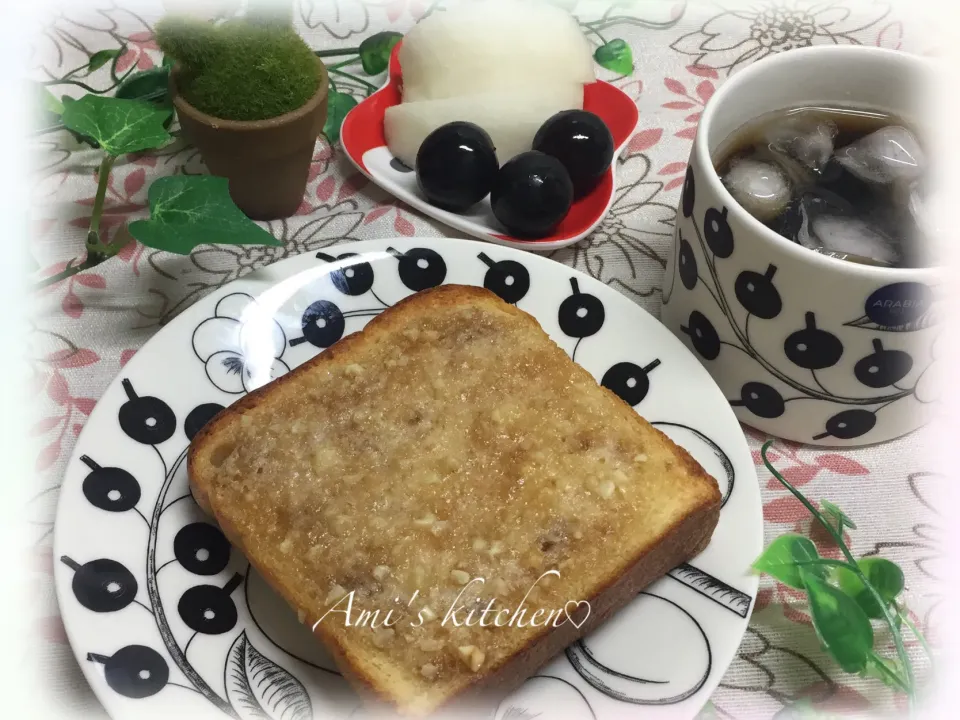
{"points": [[166, 618]]}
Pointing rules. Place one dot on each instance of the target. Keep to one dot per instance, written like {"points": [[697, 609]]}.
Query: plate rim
{"points": [[750, 581]]}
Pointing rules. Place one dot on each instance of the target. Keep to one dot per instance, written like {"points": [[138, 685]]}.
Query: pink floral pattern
{"points": [[86, 328], [701, 81]]}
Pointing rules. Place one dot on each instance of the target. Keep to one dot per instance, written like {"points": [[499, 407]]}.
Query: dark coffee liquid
{"points": [[846, 183]]}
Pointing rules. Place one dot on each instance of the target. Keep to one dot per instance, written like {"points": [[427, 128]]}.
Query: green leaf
{"points": [[67, 101], [191, 210], [781, 557], [145, 85], [615, 55], [101, 58], [338, 105], [47, 108], [899, 613], [119, 126], [167, 62], [151, 85], [873, 670], [838, 515], [842, 626], [49, 103], [885, 576], [375, 51]]}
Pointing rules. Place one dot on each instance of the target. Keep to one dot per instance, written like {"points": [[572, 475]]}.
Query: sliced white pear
{"points": [[510, 118], [482, 47]]}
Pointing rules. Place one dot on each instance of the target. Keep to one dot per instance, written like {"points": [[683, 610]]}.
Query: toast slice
{"points": [[449, 457]]}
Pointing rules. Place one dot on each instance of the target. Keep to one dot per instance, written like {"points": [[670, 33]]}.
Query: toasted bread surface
{"points": [[450, 441]]}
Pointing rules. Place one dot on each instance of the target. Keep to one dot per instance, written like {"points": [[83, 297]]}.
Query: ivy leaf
{"points": [[781, 557], [118, 126], [101, 58], [615, 55], [67, 101], [841, 624], [152, 86], [375, 51], [837, 514], [191, 210], [338, 105], [885, 576], [145, 85]]}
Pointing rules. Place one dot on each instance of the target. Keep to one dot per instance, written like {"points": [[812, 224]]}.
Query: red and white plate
{"points": [[363, 139]]}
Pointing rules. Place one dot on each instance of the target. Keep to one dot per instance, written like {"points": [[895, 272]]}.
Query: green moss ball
{"points": [[240, 70]]}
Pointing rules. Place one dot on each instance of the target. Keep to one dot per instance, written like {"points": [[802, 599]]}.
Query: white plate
{"points": [[139, 567]]}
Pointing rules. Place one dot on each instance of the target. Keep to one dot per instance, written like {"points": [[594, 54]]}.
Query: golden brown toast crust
{"points": [[686, 536]]}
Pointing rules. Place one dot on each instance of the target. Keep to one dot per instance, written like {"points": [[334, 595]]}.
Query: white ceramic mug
{"points": [[806, 347]]}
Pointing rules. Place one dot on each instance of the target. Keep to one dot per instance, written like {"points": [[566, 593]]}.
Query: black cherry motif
{"points": [[420, 268], [812, 348], [110, 488], [507, 278], [703, 335], [689, 193], [103, 586], [322, 324], [757, 293], [761, 399], [718, 234], [687, 265], [201, 549], [882, 368], [147, 420], [209, 609], [354, 279], [849, 424], [134, 671], [628, 381], [198, 417], [581, 314]]}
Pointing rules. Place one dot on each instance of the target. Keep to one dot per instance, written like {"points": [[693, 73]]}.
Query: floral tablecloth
{"points": [[84, 329]]}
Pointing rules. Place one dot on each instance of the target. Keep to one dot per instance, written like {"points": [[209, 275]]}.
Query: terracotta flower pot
{"points": [[266, 161]]}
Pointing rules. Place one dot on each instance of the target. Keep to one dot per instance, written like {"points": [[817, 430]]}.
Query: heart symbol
{"points": [[576, 604]]}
